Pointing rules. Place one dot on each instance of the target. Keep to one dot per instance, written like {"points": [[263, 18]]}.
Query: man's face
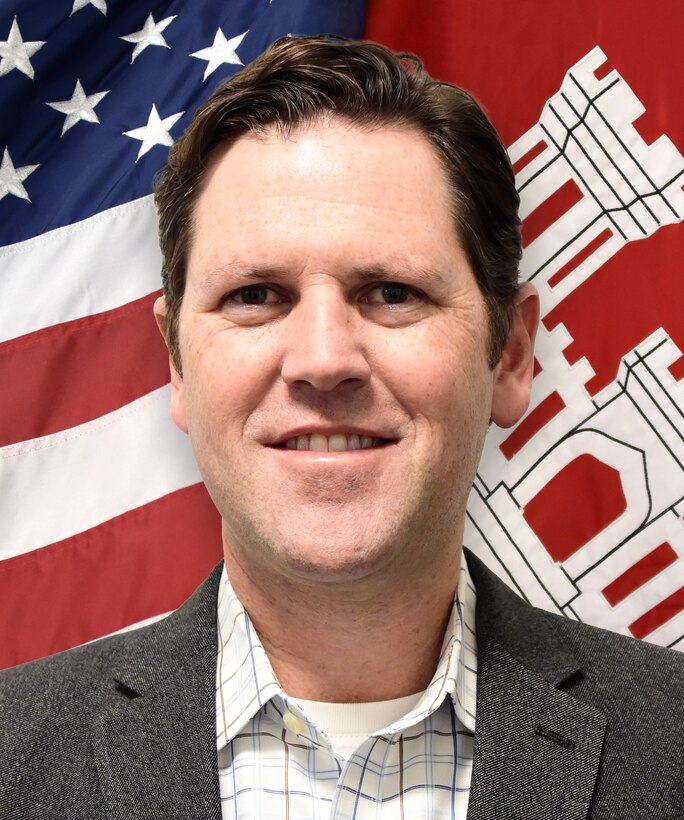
{"points": [[334, 348]]}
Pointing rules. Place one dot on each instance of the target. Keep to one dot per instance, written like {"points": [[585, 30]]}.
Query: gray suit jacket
{"points": [[572, 722]]}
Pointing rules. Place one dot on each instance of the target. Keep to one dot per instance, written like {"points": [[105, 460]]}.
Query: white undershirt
{"points": [[348, 725]]}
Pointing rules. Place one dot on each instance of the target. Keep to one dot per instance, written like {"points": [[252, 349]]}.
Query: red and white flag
{"points": [[579, 507]]}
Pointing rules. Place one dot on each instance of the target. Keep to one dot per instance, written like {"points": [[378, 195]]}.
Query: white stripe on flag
{"points": [[91, 266], [59, 485], [137, 625]]}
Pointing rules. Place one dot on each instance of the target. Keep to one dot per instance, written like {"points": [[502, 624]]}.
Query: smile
{"points": [[337, 443]]}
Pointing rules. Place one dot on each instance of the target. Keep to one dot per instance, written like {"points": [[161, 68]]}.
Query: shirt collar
{"points": [[245, 681], [456, 673]]}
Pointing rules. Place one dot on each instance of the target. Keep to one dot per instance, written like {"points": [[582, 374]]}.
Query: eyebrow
{"points": [[375, 273], [364, 273], [216, 277]]}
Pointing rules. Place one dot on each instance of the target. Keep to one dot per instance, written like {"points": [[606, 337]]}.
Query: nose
{"points": [[324, 343]]}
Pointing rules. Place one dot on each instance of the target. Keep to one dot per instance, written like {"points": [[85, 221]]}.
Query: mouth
{"points": [[335, 443]]}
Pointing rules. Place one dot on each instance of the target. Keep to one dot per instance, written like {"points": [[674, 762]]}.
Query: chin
{"points": [[345, 555], [323, 542], [333, 562]]}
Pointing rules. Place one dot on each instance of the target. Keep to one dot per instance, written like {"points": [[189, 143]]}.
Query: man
{"points": [[341, 240]]}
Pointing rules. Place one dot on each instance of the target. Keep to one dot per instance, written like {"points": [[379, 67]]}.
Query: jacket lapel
{"points": [[537, 746], [155, 745]]}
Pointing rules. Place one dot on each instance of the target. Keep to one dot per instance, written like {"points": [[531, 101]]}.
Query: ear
{"points": [[513, 373], [178, 413]]}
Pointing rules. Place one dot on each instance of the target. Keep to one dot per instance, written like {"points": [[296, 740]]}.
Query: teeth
{"points": [[319, 443], [336, 443], [353, 443]]}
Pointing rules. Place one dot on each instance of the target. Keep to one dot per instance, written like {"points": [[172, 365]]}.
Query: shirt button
{"points": [[293, 723]]}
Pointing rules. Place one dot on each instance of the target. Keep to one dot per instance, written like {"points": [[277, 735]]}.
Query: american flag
{"points": [[103, 520]]}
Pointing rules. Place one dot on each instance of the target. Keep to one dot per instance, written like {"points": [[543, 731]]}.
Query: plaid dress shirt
{"points": [[275, 764]]}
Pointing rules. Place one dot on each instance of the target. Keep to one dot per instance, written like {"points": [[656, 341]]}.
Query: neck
{"points": [[360, 641]]}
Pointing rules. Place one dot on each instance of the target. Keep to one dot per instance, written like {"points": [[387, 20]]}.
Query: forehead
{"points": [[326, 181]]}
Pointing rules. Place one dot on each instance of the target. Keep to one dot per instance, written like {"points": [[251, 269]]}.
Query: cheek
{"points": [[225, 376], [439, 376]]}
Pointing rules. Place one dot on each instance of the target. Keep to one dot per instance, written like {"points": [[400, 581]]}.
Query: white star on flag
{"points": [[15, 53], [156, 132], [11, 178], [220, 51], [100, 5], [79, 107], [149, 35]]}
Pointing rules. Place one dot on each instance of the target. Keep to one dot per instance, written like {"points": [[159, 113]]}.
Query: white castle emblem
{"points": [[590, 185]]}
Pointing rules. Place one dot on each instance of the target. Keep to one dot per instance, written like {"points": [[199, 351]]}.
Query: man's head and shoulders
{"points": [[341, 245], [341, 241], [343, 325]]}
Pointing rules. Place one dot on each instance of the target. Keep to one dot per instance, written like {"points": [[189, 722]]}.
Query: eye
{"points": [[254, 295], [391, 293]]}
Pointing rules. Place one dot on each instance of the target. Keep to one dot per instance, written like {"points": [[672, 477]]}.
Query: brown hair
{"points": [[300, 80]]}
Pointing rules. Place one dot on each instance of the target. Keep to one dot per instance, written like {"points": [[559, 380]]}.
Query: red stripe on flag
{"points": [[528, 156], [65, 375], [551, 209], [645, 569], [578, 258], [658, 615], [139, 564], [532, 424]]}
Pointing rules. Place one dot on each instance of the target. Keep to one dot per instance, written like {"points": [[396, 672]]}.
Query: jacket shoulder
{"points": [[650, 678], [615, 671], [622, 694], [49, 707], [78, 677], [83, 676]]}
